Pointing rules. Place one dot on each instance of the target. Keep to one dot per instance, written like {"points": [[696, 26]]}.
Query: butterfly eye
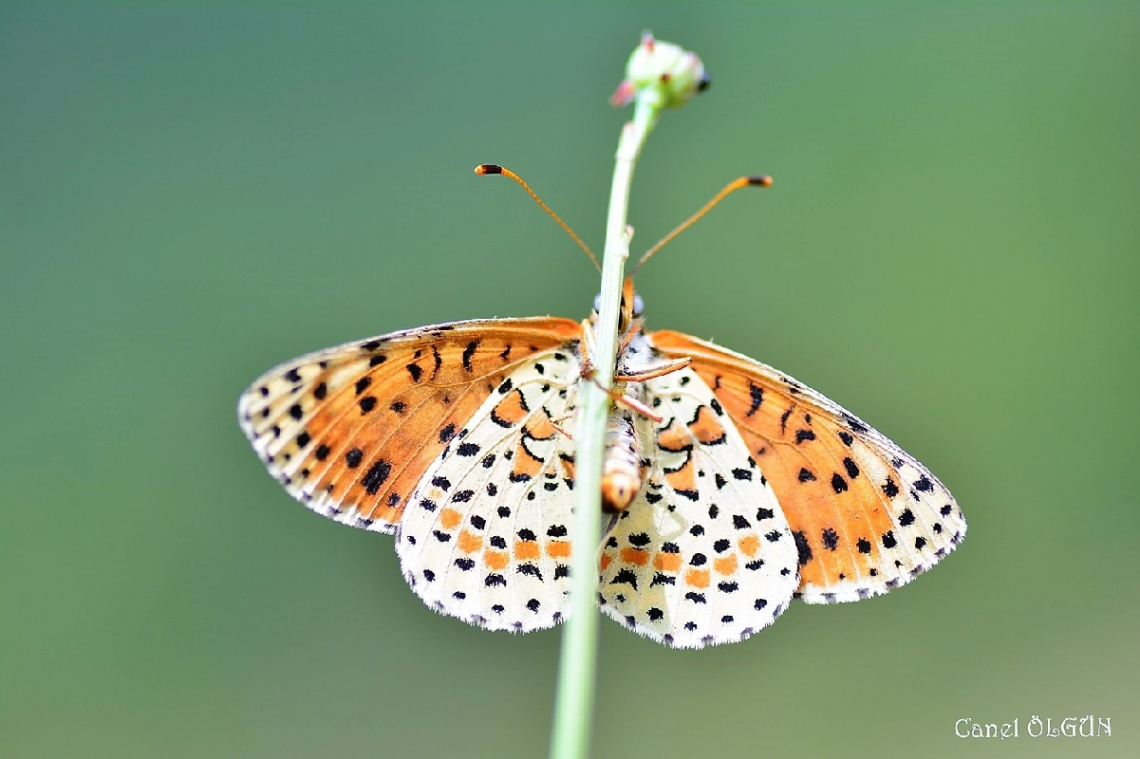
{"points": [[638, 306]]}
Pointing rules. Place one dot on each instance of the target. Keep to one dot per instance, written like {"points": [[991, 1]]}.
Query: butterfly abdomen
{"points": [[621, 469]]}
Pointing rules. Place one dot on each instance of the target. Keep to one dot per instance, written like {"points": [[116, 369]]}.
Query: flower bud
{"points": [[665, 73]]}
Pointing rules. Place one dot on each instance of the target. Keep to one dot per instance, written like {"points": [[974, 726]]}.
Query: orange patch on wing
{"points": [[606, 560], [697, 578], [667, 562], [540, 428], [684, 478], [675, 438], [496, 559], [705, 426], [567, 466], [558, 549], [527, 549], [469, 543], [449, 519], [635, 556], [526, 466], [726, 565], [510, 410], [749, 545]]}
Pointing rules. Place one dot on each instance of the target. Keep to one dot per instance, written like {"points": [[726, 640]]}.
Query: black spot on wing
{"points": [[625, 577], [438, 359], [757, 395], [468, 354], [376, 476], [802, 547], [529, 569], [784, 419]]}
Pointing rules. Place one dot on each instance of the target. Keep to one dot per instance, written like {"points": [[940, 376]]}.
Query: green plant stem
{"points": [[574, 703]]}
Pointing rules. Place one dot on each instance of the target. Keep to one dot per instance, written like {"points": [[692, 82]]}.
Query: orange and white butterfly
{"points": [[733, 487]]}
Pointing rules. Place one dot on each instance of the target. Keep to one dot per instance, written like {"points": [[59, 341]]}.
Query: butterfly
{"points": [[730, 488]]}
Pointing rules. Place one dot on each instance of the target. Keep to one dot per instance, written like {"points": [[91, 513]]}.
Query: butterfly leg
{"points": [[589, 371], [657, 371], [622, 399], [555, 424], [634, 331], [587, 347], [629, 402]]}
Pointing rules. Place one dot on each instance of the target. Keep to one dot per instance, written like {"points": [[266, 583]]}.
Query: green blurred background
{"points": [[191, 194]]}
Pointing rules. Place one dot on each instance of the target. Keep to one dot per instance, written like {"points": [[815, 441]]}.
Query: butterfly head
{"points": [[632, 308]]}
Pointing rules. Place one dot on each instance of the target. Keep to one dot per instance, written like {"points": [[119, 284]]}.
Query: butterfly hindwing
{"points": [[703, 555], [486, 535], [350, 431], [866, 516]]}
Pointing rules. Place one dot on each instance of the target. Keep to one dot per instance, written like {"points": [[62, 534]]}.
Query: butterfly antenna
{"points": [[491, 168], [733, 186]]}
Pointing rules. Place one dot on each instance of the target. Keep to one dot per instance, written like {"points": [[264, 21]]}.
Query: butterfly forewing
{"points": [[485, 536], [350, 431], [703, 555], [866, 516]]}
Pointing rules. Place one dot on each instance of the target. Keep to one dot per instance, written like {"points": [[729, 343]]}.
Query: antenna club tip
{"points": [[488, 168], [762, 180]]}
